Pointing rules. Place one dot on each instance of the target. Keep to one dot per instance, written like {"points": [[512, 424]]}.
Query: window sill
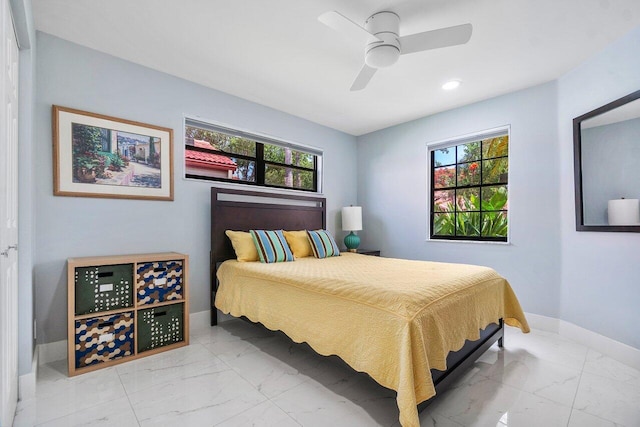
{"points": [[258, 188], [475, 242]]}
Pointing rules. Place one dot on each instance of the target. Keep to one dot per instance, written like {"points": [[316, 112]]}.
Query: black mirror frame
{"points": [[577, 166]]}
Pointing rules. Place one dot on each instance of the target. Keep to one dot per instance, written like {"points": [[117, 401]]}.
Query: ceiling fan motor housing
{"points": [[385, 26]]}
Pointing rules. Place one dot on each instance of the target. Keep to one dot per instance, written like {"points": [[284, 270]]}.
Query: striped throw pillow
{"points": [[271, 246], [322, 244]]}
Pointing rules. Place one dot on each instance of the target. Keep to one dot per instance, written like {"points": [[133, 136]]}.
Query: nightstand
{"points": [[371, 252]]}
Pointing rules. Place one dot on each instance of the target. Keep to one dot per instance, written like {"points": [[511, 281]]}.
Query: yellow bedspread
{"points": [[393, 319]]}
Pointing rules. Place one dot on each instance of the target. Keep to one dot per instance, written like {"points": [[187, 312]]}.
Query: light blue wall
{"points": [[587, 278], [610, 156], [392, 188], [73, 76], [600, 271]]}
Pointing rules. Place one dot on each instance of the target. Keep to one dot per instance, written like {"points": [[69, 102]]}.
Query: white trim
{"points": [[51, 352], [27, 382], [54, 351], [623, 353], [473, 242], [469, 137], [200, 320], [256, 188], [543, 323], [261, 136]]}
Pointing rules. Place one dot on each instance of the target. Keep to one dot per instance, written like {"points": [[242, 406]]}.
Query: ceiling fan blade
{"points": [[344, 25], [363, 78], [450, 36]]}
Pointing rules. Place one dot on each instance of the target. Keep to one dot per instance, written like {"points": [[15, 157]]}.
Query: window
{"points": [[469, 188], [217, 153]]}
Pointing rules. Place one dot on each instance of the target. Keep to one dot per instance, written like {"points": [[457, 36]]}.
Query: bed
{"points": [[413, 326]]}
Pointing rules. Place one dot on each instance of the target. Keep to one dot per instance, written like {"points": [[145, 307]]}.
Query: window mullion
{"points": [[260, 163], [455, 198], [480, 188], [315, 172], [302, 168]]}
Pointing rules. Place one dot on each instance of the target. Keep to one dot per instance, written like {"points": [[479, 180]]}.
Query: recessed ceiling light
{"points": [[451, 84]]}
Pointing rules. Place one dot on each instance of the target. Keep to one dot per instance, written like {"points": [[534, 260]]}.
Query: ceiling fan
{"points": [[383, 45]]}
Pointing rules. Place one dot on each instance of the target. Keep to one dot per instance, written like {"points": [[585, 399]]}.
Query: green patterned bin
{"points": [[103, 288], [160, 326]]}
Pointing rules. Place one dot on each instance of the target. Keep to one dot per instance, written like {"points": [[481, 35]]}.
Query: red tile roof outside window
{"points": [[199, 159]]}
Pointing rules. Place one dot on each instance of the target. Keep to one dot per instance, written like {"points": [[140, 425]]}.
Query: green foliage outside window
{"points": [[222, 141], [288, 177], [470, 190]]}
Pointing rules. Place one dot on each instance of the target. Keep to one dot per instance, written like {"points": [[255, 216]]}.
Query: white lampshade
{"points": [[352, 218], [623, 212]]}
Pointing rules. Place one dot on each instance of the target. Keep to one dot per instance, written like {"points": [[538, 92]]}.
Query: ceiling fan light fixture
{"points": [[384, 50], [382, 56], [384, 44], [451, 85]]}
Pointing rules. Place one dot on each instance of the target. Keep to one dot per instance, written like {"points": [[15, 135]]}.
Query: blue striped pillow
{"points": [[271, 246], [323, 244]]}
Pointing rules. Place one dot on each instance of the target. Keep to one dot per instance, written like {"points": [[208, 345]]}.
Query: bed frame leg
{"points": [[501, 339], [214, 316]]}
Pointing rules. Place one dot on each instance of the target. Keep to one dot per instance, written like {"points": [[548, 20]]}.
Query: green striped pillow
{"points": [[271, 246], [323, 244]]}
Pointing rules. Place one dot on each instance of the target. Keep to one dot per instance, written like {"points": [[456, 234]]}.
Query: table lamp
{"points": [[352, 221]]}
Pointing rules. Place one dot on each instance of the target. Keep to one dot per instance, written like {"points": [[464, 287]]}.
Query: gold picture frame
{"points": [[102, 156]]}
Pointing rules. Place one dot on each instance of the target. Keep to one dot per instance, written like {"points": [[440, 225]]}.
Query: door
{"points": [[8, 218]]}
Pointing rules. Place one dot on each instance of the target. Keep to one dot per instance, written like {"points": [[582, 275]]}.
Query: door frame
{"points": [[9, 86]]}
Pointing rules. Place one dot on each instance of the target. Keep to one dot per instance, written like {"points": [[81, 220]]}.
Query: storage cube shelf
{"points": [[108, 324]]}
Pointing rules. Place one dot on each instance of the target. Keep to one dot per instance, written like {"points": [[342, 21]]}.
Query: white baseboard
{"points": [[543, 323], [630, 356], [199, 321], [27, 382], [52, 351], [623, 353]]}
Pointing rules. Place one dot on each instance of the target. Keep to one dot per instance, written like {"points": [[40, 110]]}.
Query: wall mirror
{"points": [[607, 166]]}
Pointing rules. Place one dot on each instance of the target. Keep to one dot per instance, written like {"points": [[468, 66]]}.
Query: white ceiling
{"points": [[276, 53]]}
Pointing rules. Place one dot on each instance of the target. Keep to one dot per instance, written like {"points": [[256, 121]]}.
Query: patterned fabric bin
{"points": [[104, 338], [160, 326], [103, 288], [159, 281]]}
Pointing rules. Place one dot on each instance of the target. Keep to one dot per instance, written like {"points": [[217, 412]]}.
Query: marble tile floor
{"points": [[239, 374]]}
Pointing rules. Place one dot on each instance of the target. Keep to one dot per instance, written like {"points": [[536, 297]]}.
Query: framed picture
{"points": [[102, 156]]}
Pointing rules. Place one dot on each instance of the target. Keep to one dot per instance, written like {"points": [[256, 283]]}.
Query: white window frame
{"points": [[458, 140]]}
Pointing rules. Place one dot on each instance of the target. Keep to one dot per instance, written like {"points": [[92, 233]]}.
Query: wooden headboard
{"points": [[242, 210]]}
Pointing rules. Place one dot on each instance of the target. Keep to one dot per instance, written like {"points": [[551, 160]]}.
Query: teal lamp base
{"points": [[352, 241]]}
